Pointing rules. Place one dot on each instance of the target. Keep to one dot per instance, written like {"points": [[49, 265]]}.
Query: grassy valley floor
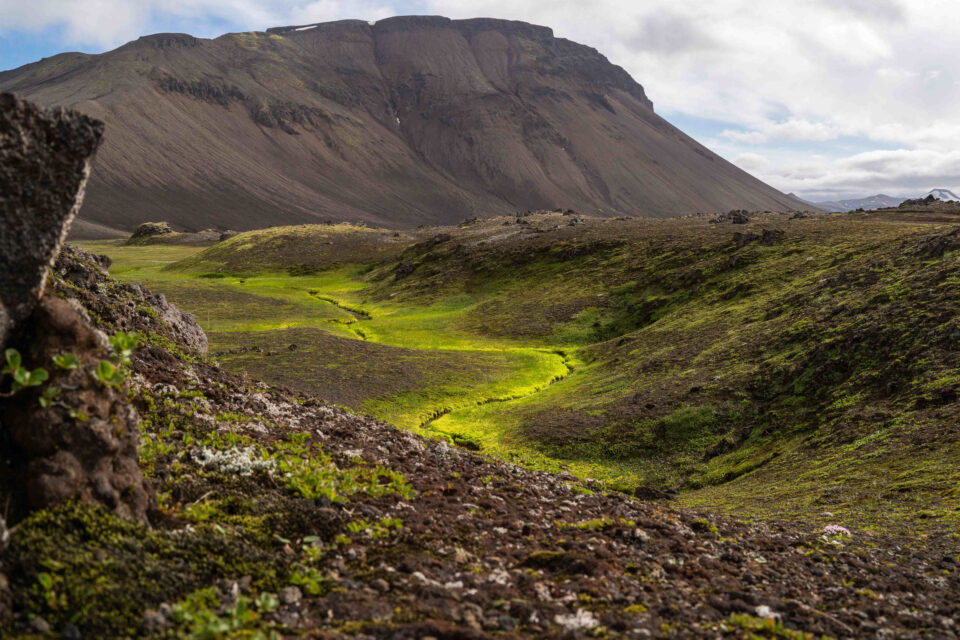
{"points": [[791, 368]]}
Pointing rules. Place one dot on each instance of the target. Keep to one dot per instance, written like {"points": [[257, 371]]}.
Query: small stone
{"points": [[40, 625], [290, 595], [380, 585], [70, 632]]}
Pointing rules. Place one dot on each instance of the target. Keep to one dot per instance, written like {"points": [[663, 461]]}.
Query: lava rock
{"points": [[58, 454], [150, 230], [45, 160], [772, 236]]}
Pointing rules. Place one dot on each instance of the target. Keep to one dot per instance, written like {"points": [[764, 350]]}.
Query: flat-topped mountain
{"points": [[409, 120]]}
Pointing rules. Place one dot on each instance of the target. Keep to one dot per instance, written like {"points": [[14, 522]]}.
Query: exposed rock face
{"points": [[84, 446], [415, 119], [81, 442], [123, 306], [44, 164]]}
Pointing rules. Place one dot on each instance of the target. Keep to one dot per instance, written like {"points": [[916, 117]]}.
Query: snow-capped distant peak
{"points": [[944, 194]]}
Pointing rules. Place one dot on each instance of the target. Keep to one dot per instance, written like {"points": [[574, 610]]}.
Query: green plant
{"points": [[375, 530], [66, 361], [48, 396], [310, 580], [203, 618], [22, 377], [108, 374], [124, 344]]}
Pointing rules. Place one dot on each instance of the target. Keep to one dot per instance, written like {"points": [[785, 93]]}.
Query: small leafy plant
{"points": [[108, 374], [48, 396], [22, 377], [66, 361], [124, 344]]}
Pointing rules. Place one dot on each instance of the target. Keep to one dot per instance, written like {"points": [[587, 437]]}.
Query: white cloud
{"points": [[907, 172], [789, 131], [752, 162]]}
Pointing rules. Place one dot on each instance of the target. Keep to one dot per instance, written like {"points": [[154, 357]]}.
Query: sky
{"points": [[828, 99]]}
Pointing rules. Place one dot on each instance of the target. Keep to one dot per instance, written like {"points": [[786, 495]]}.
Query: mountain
{"points": [[944, 194], [409, 120], [879, 201]]}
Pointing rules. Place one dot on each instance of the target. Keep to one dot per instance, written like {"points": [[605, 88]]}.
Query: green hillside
{"points": [[785, 367]]}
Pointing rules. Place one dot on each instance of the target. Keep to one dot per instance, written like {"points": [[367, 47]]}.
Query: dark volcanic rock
{"points": [[117, 304], [44, 164], [150, 230], [84, 446], [917, 202], [81, 442], [772, 236], [742, 239]]}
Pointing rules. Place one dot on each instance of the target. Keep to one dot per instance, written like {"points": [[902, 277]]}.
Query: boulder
{"points": [[84, 445], [150, 230], [45, 160], [772, 236]]}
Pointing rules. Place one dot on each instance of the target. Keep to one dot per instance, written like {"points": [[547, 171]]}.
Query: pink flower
{"points": [[834, 529]]}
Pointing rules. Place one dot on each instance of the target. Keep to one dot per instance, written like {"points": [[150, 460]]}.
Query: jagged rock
{"points": [[183, 325], [122, 304], [772, 236], [44, 165], [84, 445], [918, 202], [403, 269], [738, 216]]}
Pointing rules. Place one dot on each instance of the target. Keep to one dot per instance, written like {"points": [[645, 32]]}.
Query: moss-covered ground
{"points": [[787, 367]]}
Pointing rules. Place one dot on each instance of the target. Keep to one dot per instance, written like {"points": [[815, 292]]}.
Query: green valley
{"points": [[780, 368]]}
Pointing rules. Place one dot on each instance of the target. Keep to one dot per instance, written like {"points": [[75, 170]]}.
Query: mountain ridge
{"points": [[412, 120]]}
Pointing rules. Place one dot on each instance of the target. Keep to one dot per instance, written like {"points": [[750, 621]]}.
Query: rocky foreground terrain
{"points": [[147, 492]]}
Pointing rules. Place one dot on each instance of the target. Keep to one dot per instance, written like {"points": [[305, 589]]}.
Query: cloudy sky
{"points": [[825, 98]]}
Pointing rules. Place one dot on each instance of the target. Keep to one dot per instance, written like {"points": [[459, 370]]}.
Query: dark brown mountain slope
{"points": [[409, 120]]}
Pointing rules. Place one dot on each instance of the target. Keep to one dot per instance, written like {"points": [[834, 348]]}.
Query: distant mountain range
{"points": [[406, 121], [879, 201]]}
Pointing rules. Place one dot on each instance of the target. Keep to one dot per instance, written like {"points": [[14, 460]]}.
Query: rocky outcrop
{"points": [[148, 230], [44, 164], [83, 444], [69, 431], [124, 306]]}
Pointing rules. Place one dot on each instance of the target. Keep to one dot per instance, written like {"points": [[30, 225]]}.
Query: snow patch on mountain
{"points": [[944, 194]]}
